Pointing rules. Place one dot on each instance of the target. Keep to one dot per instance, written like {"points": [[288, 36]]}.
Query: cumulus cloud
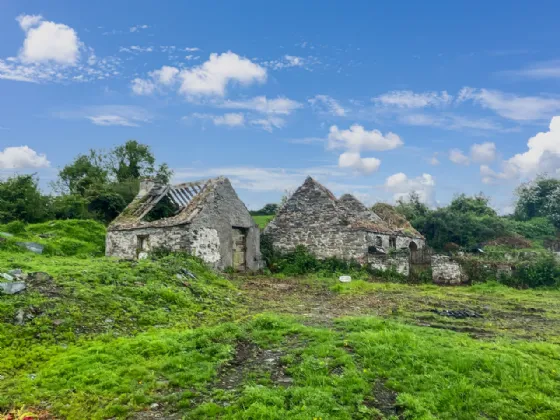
{"points": [[357, 138], [52, 52], [401, 186], [213, 76], [229, 120], [143, 87], [542, 155], [166, 75], [48, 41], [513, 107], [22, 157], [458, 157], [354, 161], [326, 104], [409, 99], [484, 152]]}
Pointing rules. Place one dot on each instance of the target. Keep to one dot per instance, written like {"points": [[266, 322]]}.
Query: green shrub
{"points": [[16, 227], [541, 272]]}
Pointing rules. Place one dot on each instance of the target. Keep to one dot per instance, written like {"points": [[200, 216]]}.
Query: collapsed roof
{"points": [[186, 198]]}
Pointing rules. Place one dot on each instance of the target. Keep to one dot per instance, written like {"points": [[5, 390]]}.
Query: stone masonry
{"points": [[328, 227]]}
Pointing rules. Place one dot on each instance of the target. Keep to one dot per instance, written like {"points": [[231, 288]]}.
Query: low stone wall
{"points": [[399, 262], [447, 271]]}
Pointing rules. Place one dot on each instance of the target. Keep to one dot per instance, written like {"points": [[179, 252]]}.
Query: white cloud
{"points": [[52, 52], [542, 156], [208, 79], [214, 75], [354, 161], [451, 122], [109, 115], [326, 104], [28, 21], [166, 75], [513, 107], [543, 70], [136, 49], [401, 186], [434, 161], [458, 157], [143, 87], [22, 157], [107, 120], [191, 49], [483, 153], [409, 99], [279, 105], [269, 123], [230, 119], [137, 28], [290, 61], [48, 41], [357, 139]]}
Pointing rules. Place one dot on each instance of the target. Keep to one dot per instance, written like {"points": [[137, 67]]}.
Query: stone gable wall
{"points": [[209, 235]]}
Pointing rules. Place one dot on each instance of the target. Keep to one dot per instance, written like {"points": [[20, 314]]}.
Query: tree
{"points": [[132, 160], [412, 208], [106, 182], [21, 199], [539, 198], [268, 210], [84, 172], [477, 205]]}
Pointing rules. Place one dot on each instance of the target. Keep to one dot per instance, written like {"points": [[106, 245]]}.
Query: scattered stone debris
{"points": [[32, 246], [251, 358], [7, 276], [16, 273], [187, 273], [13, 287], [20, 317], [459, 314], [345, 279]]}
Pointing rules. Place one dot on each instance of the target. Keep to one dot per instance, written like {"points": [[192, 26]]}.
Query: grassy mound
{"points": [[83, 238]]}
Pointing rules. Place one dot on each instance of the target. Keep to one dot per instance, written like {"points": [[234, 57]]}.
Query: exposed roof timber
{"points": [[149, 206]]}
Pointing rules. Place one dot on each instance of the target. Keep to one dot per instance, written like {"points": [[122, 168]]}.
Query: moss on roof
{"points": [[394, 219]]}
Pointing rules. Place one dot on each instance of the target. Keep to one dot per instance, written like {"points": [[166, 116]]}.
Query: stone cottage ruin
{"points": [[205, 218], [342, 228]]}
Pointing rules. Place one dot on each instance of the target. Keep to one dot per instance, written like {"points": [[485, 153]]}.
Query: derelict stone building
{"points": [[331, 227], [208, 220]]}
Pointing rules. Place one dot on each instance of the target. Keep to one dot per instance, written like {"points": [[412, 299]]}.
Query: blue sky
{"points": [[372, 99]]}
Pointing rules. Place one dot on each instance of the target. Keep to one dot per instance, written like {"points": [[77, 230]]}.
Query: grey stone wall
{"points": [[398, 262], [447, 271], [222, 211], [124, 243], [209, 235], [311, 218]]}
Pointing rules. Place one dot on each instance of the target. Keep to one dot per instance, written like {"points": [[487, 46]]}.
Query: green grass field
{"points": [[100, 339], [262, 221]]}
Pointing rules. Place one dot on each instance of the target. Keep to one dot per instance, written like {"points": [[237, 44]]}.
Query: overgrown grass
{"points": [[262, 221], [84, 238], [337, 374]]}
